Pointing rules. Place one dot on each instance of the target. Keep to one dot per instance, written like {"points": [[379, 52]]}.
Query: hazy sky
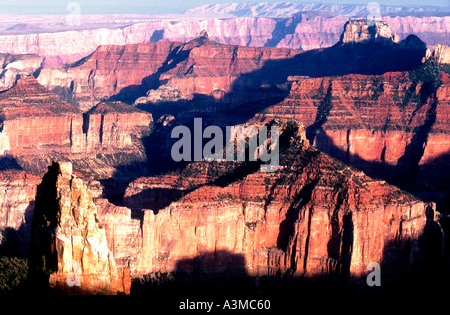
{"points": [[157, 6]]}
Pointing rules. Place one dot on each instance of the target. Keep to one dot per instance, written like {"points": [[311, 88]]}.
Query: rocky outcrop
{"points": [[16, 208], [165, 93], [357, 31], [200, 66], [14, 67], [110, 70], [23, 125], [67, 241], [114, 125], [442, 54]]}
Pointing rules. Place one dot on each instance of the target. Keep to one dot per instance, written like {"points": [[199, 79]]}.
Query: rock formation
{"points": [[442, 54], [315, 216], [386, 125], [37, 126], [357, 31], [114, 125], [68, 245], [14, 67], [305, 30], [16, 207], [23, 126], [203, 66], [165, 93], [200, 66]]}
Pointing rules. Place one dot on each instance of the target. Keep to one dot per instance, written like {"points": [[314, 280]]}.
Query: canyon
{"points": [[302, 29], [203, 66], [313, 216], [99, 129], [287, 9]]}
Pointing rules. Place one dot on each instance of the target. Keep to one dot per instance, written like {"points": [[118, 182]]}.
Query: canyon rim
{"points": [[351, 116]]}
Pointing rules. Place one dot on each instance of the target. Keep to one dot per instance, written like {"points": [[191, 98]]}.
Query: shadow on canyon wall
{"points": [[9, 163], [259, 89], [14, 242], [253, 92], [404, 273]]}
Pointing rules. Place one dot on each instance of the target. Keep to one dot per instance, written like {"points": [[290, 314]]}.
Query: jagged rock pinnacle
{"points": [[203, 34], [67, 241]]}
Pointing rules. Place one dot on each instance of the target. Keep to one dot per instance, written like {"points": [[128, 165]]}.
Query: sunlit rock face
{"points": [[313, 217], [68, 244]]}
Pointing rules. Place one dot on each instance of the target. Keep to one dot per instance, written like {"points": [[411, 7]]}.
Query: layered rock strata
{"points": [[231, 73], [315, 216], [14, 67], [305, 31], [127, 72], [387, 125], [67, 241], [37, 125], [16, 208]]}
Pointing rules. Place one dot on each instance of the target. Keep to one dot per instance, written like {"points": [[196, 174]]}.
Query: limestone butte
{"points": [[357, 31], [68, 248]]}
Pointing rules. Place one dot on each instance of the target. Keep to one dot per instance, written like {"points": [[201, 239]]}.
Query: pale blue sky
{"points": [[158, 6]]}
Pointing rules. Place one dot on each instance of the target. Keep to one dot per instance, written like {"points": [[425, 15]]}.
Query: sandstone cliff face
{"points": [[200, 66], [313, 217], [22, 111], [123, 233], [114, 125], [442, 54], [37, 126], [203, 66], [16, 207], [106, 72], [67, 240]]}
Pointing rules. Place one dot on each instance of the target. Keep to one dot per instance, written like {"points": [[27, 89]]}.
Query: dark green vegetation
{"points": [[13, 274], [13, 267], [427, 71]]}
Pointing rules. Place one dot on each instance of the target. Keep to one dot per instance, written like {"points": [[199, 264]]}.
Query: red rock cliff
{"points": [[37, 125], [314, 216], [386, 125]]}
